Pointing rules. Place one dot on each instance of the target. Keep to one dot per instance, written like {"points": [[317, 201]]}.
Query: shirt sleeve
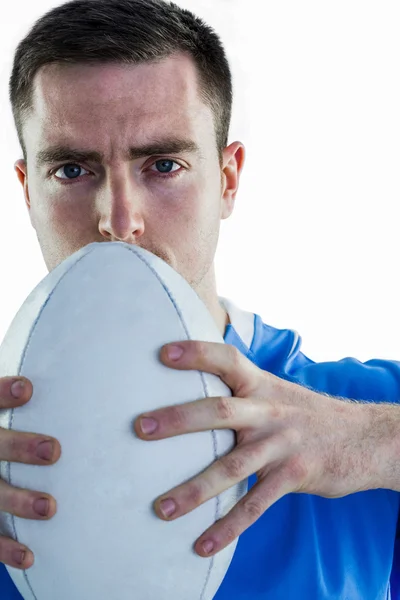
{"points": [[373, 381]]}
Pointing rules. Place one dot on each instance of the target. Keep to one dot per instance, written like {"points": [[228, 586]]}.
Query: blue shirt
{"points": [[304, 546]]}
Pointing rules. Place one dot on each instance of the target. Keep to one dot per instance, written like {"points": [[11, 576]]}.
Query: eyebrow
{"points": [[172, 145]]}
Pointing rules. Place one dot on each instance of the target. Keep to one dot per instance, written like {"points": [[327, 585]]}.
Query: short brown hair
{"points": [[127, 31]]}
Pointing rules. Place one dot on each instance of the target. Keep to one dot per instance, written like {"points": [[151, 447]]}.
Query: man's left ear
{"points": [[234, 157]]}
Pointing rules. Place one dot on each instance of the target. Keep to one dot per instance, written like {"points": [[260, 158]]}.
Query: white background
{"points": [[313, 243]]}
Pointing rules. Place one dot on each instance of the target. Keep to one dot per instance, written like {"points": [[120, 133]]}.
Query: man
{"points": [[131, 152]]}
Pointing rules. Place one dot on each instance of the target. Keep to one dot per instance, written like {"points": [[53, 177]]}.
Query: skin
{"points": [[292, 438], [109, 108], [281, 428]]}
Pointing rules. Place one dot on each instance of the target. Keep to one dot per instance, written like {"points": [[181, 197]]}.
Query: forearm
{"points": [[381, 444]]}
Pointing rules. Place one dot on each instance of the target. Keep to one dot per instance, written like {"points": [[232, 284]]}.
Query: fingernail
{"points": [[208, 546], [17, 388], [174, 352], [167, 507], [19, 556], [148, 425], [41, 506], [45, 450]]}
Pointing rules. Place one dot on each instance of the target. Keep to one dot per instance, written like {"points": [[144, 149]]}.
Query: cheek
{"points": [[70, 218], [187, 223], [194, 235], [49, 208]]}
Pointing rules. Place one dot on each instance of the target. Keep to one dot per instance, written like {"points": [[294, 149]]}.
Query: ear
{"points": [[21, 169], [233, 160]]}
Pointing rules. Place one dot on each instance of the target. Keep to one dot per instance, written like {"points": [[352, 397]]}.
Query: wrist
{"points": [[380, 446]]}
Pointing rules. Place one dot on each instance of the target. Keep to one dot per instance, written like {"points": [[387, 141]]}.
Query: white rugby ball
{"points": [[88, 337]]}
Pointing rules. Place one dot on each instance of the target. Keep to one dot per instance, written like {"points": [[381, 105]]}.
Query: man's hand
{"points": [[292, 438], [30, 449]]}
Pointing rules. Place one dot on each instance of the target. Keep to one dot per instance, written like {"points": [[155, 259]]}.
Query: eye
{"points": [[162, 161], [69, 167], [72, 168]]}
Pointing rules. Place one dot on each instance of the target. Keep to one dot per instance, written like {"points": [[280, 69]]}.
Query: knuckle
{"points": [[235, 356], [10, 445], [279, 391], [194, 495], [17, 447], [234, 467], [18, 502], [224, 409], [5, 546], [253, 508], [230, 533], [291, 437], [20, 447], [275, 412], [200, 349], [176, 417], [296, 470], [234, 353]]}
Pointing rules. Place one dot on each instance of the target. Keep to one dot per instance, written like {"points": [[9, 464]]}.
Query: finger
{"points": [[224, 360], [246, 512], [14, 554], [28, 448], [204, 415], [224, 473], [26, 504], [7, 400]]}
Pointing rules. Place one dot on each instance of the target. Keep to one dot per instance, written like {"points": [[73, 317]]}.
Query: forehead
{"points": [[116, 99]]}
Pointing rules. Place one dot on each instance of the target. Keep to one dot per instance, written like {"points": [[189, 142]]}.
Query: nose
{"points": [[121, 217]]}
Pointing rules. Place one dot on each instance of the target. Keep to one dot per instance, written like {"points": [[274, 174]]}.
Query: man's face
{"points": [[169, 203]]}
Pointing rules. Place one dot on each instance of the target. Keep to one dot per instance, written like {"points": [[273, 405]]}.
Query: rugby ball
{"points": [[88, 337]]}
